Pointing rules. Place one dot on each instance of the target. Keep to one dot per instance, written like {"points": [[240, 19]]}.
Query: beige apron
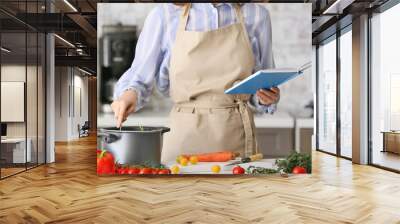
{"points": [[203, 65]]}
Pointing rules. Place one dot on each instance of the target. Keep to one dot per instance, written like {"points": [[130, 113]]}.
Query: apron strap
{"points": [[239, 13], [184, 16], [250, 147]]}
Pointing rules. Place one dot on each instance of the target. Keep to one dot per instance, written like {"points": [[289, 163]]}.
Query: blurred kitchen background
{"points": [[291, 127]]}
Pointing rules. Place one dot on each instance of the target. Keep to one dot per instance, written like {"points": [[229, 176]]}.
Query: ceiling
{"points": [[76, 21]]}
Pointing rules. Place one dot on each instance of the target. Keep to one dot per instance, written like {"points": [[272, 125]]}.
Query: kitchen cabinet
{"points": [[275, 142], [304, 129]]}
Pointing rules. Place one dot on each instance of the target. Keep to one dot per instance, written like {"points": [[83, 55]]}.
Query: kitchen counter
{"points": [[160, 118], [302, 123]]}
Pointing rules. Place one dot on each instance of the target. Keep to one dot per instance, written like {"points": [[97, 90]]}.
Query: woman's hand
{"points": [[268, 97], [125, 105]]}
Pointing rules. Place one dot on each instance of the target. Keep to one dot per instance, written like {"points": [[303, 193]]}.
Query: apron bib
{"points": [[203, 65]]}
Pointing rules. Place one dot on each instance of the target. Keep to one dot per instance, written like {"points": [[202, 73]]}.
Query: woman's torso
{"points": [[207, 16]]}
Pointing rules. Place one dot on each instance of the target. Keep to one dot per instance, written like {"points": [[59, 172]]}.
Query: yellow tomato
{"points": [[174, 169], [193, 160], [215, 169], [178, 159], [184, 161]]}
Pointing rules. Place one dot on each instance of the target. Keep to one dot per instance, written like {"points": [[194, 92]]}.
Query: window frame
{"points": [[334, 37]]}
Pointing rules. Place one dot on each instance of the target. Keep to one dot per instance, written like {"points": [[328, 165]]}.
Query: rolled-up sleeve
{"points": [[263, 33], [148, 56]]}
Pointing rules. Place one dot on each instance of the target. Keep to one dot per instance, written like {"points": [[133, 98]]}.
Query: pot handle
{"points": [[165, 129], [109, 137]]}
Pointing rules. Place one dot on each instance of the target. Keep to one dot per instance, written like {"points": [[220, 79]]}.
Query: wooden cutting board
{"points": [[205, 167]]}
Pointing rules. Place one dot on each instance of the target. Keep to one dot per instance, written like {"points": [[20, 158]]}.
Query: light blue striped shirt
{"points": [[153, 49]]}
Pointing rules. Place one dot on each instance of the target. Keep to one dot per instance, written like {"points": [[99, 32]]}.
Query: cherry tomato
{"points": [[238, 170], [164, 171], [178, 159], [175, 169], [123, 171], [146, 171], [299, 170], [133, 170], [155, 171], [193, 160], [215, 169], [184, 161]]}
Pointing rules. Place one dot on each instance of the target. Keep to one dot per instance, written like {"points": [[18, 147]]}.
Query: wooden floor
{"points": [[70, 192]]}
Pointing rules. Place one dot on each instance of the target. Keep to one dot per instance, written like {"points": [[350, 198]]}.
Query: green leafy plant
{"points": [[294, 159]]}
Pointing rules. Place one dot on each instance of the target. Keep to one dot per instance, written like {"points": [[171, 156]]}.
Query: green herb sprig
{"points": [[260, 170]]}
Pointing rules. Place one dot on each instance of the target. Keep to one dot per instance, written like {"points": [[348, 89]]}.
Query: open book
{"points": [[265, 79]]}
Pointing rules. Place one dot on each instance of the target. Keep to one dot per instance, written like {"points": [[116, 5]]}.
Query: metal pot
{"points": [[133, 145]]}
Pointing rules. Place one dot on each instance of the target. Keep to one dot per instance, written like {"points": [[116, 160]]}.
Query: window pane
{"points": [[327, 97], [346, 94], [41, 99], [385, 86], [31, 97], [14, 153]]}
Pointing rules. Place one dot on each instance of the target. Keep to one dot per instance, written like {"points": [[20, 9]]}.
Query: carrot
{"points": [[214, 156]]}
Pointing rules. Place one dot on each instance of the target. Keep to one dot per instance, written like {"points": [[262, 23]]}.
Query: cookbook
{"points": [[266, 79]]}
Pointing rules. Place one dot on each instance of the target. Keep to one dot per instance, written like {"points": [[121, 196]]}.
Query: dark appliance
{"points": [[117, 51], [3, 129]]}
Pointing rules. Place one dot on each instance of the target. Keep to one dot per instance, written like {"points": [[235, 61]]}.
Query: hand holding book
{"points": [[266, 79]]}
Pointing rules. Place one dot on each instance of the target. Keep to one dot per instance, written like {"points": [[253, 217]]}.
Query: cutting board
{"points": [[205, 167]]}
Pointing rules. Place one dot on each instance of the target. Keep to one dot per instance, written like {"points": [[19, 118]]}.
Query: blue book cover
{"points": [[264, 79]]}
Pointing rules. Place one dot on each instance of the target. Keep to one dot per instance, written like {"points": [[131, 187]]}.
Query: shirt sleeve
{"points": [[263, 33], [145, 67]]}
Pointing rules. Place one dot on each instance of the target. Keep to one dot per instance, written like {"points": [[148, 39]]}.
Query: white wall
{"points": [[68, 81], [292, 47], [122, 13]]}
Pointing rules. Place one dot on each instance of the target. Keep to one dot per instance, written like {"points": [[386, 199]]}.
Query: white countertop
{"points": [[304, 122], [205, 167], [160, 118]]}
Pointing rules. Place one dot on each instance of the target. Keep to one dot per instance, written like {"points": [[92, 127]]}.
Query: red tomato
{"points": [[121, 170], [155, 171], [134, 170], [164, 171], [238, 170], [105, 163], [146, 171], [299, 170]]}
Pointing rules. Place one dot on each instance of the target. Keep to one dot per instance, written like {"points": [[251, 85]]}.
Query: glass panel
{"points": [[346, 94], [41, 99], [327, 97], [385, 86], [23, 89], [13, 77], [31, 98]]}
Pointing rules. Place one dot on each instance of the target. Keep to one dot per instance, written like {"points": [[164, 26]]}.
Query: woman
{"points": [[194, 52]]}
